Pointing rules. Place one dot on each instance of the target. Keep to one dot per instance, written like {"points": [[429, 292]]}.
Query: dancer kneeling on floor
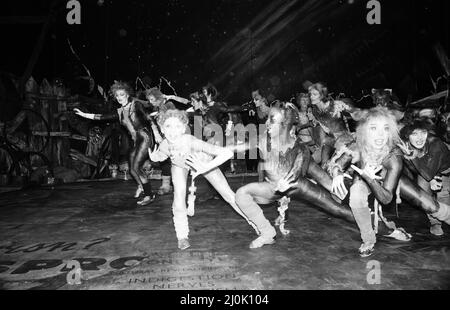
{"points": [[186, 152]]}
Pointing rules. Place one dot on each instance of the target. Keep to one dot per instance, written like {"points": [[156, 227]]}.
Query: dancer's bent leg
{"points": [[216, 178], [435, 224], [317, 195], [247, 198], [417, 196], [359, 194]]}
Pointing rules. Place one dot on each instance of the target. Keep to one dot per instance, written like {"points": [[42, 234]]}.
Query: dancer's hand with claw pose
{"points": [[156, 155], [369, 171], [152, 153], [78, 112], [404, 147], [285, 183], [436, 184], [196, 162], [291, 105], [338, 186]]}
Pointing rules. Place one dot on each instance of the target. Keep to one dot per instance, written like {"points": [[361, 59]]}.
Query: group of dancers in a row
{"points": [[309, 151]]}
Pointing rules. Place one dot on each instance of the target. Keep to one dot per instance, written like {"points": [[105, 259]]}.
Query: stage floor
{"points": [[46, 233]]}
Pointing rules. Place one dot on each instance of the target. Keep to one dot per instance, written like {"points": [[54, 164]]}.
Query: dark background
{"points": [[238, 45]]}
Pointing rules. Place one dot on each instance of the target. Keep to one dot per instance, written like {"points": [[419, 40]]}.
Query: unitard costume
{"points": [[362, 186], [296, 160], [134, 118], [392, 175]]}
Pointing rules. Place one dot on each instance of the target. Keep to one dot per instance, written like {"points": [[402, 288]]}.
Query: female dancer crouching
{"points": [[287, 162], [186, 152], [375, 151], [427, 157], [379, 162]]}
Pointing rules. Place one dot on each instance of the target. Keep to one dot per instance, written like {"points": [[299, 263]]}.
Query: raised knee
{"points": [[241, 192], [241, 195]]}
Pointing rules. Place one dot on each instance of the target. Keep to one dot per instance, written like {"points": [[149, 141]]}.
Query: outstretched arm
{"points": [[253, 142], [178, 99], [226, 109], [109, 116]]}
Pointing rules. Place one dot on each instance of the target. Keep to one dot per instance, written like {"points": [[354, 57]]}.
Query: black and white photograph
{"points": [[224, 150]]}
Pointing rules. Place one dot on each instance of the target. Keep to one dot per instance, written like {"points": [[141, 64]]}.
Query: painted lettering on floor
{"points": [[62, 246], [186, 270], [207, 277], [155, 271]]}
